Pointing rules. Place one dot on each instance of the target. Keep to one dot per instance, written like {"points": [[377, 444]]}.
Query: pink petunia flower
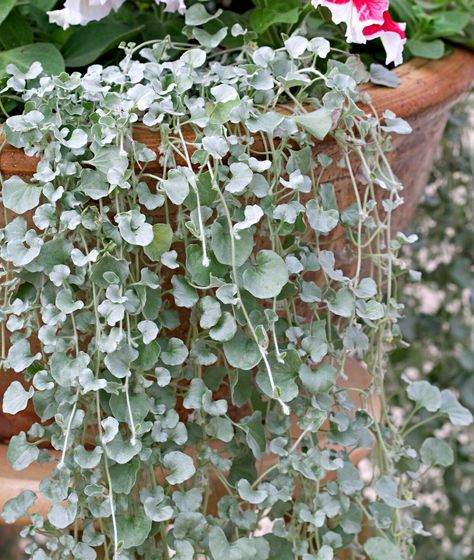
{"points": [[356, 14], [368, 19], [392, 35]]}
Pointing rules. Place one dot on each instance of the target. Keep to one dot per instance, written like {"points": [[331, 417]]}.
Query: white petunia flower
{"points": [[173, 5], [81, 12]]}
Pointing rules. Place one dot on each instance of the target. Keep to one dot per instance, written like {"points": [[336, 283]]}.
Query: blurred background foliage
{"points": [[439, 327]]}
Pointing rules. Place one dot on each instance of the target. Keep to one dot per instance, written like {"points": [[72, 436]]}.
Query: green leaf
{"points": [[199, 272], [134, 228], [122, 451], [21, 453], [241, 177], [173, 351], [458, 414], [94, 184], [315, 346], [387, 491], [349, 479], [19, 196], [108, 266], [242, 549], [255, 433], [19, 356], [435, 451], [372, 310], [218, 544], [210, 312], [133, 531], [220, 428], [426, 49], [18, 507], [181, 467], [23, 57], [284, 376], [207, 40], [124, 477], [262, 19], [66, 303], [405, 10], [321, 220], [366, 289], [195, 394], [379, 548], [225, 328], [119, 361], [176, 186], [452, 22], [162, 239], [221, 244], [60, 516], [86, 44], [325, 553], [242, 352], [15, 30], [247, 493], [140, 404], [184, 294], [5, 7], [109, 158], [87, 459], [425, 395], [198, 15], [56, 488], [342, 304], [267, 278], [184, 550], [149, 331], [319, 380], [382, 76], [16, 398], [155, 505], [318, 123]]}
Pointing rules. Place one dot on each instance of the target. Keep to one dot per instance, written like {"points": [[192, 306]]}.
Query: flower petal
{"points": [[173, 5], [392, 35], [356, 14], [80, 12]]}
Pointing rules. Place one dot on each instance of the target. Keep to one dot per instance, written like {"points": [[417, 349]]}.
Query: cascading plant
{"points": [[181, 314]]}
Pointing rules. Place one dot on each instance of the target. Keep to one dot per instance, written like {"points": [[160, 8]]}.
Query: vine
{"points": [[184, 313]]}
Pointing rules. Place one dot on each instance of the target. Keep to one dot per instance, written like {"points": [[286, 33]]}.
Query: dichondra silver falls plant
{"points": [[181, 312]]}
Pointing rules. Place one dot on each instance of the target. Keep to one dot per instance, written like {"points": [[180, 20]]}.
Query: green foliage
{"points": [[432, 24], [193, 323], [439, 327], [27, 36]]}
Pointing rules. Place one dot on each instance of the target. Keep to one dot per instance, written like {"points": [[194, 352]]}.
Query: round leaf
{"points": [[267, 278], [242, 352]]}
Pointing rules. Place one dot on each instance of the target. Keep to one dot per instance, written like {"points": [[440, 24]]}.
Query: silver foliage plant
{"points": [[170, 323]]}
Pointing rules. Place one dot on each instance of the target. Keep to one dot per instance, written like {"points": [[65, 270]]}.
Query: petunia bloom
{"points": [[81, 12], [173, 5], [368, 19], [356, 14], [392, 35]]}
